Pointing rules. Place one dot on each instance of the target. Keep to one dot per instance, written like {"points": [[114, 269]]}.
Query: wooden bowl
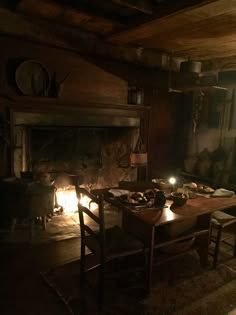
{"points": [[179, 199]]}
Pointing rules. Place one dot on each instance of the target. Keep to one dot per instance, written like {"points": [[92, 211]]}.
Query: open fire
{"points": [[66, 198]]}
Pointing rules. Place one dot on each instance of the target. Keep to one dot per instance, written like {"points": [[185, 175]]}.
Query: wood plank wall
{"points": [[85, 81]]}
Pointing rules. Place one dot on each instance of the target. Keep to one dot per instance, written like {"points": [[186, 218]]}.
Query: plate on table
{"points": [[118, 192], [203, 189], [198, 188], [135, 199]]}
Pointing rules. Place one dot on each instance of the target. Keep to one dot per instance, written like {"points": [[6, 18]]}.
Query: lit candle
{"points": [[172, 181]]}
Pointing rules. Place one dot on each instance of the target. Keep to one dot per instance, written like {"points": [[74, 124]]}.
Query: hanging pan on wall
{"points": [[32, 78]]}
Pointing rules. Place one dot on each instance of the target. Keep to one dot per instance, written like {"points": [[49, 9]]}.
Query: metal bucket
{"points": [[138, 159]]}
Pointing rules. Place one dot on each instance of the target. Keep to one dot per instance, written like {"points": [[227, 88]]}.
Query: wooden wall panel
{"points": [[85, 80], [167, 131]]}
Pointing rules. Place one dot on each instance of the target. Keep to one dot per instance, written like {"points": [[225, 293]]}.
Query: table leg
{"points": [[203, 242], [150, 260]]}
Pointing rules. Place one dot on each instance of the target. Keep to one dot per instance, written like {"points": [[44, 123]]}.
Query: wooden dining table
{"points": [[145, 223]]}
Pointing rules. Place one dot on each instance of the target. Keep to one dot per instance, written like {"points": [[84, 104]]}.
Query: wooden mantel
{"points": [[46, 111]]}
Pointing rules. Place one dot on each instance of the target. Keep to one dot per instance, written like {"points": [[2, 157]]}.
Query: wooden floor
{"points": [[22, 290]]}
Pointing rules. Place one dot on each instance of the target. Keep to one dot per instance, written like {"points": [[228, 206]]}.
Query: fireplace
{"points": [[90, 156], [91, 143]]}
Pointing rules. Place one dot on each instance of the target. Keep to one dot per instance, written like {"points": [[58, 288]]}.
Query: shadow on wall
{"points": [[214, 165]]}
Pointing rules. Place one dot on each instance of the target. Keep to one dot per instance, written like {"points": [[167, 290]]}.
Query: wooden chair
{"points": [[105, 244], [220, 221]]}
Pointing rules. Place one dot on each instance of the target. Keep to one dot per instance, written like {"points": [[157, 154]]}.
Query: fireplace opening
{"points": [[99, 157], [93, 157]]}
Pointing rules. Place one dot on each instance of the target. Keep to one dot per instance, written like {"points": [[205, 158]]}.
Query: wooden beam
{"points": [[148, 29], [84, 43], [92, 10], [75, 16], [139, 5]]}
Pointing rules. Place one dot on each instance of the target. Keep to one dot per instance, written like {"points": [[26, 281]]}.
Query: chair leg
{"points": [[101, 286], [217, 247], [82, 264], [83, 293]]}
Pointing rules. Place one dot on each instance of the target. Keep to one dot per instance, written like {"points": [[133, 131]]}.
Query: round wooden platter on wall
{"points": [[32, 78]]}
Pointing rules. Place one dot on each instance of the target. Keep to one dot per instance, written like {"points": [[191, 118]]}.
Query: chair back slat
{"points": [[102, 228], [90, 231], [81, 190], [89, 213]]}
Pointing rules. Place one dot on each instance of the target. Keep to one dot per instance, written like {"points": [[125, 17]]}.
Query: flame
{"points": [[66, 197], [86, 202]]}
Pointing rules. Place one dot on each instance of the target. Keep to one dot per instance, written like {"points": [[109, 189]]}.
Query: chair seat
{"points": [[221, 218], [118, 243]]}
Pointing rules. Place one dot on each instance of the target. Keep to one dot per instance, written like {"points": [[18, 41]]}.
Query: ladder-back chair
{"points": [[220, 221], [105, 243]]}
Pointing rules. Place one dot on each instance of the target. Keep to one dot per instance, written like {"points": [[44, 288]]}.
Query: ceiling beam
{"points": [[84, 43], [50, 9], [139, 5], [162, 10], [92, 10]]}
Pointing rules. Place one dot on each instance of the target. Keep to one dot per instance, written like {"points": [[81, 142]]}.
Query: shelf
{"points": [[57, 101], [203, 83], [55, 105], [198, 87]]}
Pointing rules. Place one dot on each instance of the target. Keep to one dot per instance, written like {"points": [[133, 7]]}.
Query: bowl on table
{"points": [[179, 199]]}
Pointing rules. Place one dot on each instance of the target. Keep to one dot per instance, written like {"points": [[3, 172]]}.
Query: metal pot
{"points": [[191, 66]]}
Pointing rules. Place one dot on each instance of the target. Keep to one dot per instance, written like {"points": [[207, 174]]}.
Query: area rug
{"points": [[182, 288]]}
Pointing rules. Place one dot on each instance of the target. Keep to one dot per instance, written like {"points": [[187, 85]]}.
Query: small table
{"points": [[144, 224]]}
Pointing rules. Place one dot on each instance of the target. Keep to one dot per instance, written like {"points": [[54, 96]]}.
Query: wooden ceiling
{"points": [[189, 29]]}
